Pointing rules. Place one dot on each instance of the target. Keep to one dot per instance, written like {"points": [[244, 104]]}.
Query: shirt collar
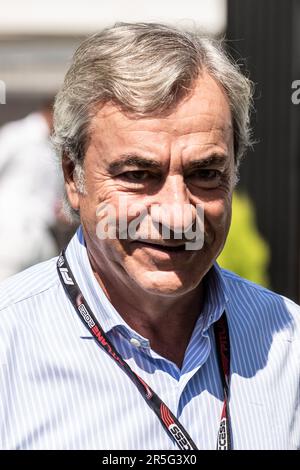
{"points": [[108, 317], [104, 311], [216, 297]]}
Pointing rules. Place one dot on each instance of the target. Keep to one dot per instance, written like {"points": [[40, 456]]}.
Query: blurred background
{"points": [[37, 40]]}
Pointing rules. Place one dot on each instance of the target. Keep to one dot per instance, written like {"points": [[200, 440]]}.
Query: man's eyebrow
{"points": [[134, 161], [208, 161], [137, 161]]}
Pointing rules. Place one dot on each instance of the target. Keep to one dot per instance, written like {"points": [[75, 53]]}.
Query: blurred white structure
{"points": [[37, 38], [2, 92], [82, 17]]}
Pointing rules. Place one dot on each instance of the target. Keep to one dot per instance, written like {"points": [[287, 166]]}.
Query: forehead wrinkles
{"points": [[164, 128], [207, 101], [203, 118]]}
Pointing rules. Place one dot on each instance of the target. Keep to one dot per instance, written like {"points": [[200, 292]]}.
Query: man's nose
{"points": [[174, 209]]}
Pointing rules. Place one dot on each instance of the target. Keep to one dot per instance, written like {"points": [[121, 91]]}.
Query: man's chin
{"points": [[168, 283]]}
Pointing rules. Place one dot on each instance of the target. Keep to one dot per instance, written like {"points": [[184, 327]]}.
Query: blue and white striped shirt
{"points": [[59, 390]]}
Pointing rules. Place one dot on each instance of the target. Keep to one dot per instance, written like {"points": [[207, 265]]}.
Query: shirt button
{"points": [[135, 342]]}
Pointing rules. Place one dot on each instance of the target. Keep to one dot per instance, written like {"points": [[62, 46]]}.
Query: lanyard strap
{"points": [[223, 353], [170, 423]]}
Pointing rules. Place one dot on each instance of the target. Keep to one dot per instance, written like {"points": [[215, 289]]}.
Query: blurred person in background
{"points": [[30, 192]]}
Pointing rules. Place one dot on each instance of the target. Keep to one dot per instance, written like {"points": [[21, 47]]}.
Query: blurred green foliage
{"points": [[246, 253]]}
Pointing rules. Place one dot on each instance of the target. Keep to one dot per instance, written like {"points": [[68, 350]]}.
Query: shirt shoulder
{"points": [[28, 284], [261, 303]]}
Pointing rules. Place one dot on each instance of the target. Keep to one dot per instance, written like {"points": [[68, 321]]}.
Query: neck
{"points": [[166, 321]]}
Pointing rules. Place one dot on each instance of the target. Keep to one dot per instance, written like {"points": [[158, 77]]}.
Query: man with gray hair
{"points": [[134, 338]]}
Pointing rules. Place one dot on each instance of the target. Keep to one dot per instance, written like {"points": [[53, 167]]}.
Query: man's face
{"points": [[182, 161]]}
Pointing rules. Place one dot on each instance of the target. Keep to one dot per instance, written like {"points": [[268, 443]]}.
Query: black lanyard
{"points": [[171, 424]]}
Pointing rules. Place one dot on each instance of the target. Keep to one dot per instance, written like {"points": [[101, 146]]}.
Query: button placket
{"points": [[135, 342]]}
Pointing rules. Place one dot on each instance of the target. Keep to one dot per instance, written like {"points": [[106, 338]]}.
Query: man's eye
{"points": [[135, 176], [208, 174], [207, 178]]}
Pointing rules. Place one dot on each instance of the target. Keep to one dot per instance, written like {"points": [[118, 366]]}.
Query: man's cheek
{"points": [[217, 212]]}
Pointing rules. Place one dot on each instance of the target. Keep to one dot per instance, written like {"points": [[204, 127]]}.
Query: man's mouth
{"points": [[165, 248]]}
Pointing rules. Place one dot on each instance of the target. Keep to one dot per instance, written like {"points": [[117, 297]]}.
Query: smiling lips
{"points": [[166, 248]]}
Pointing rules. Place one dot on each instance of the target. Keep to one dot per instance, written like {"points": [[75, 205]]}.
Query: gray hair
{"points": [[145, 69]]}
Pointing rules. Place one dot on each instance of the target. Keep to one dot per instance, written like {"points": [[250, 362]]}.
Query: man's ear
{"points": [[70, 183]]}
